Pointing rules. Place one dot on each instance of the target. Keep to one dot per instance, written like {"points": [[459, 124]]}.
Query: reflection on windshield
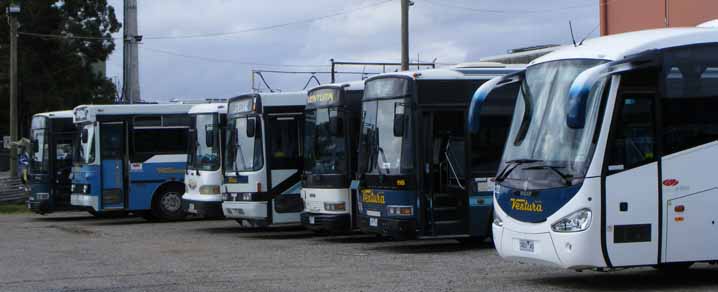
{"points": [[539, 130], [86, 149], [243, 153], [388, 154], [40, 155], [205, 148], [324, 151]]}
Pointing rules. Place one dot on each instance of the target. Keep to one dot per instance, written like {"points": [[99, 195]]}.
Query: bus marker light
{"points": [[680, 219], [679, 208], [259, 187]]}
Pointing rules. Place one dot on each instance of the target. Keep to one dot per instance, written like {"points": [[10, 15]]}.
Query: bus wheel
{"points": [[674, 267], [167, 204]]}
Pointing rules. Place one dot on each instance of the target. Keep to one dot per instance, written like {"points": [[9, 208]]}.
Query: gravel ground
{"points": [[75, 252]]}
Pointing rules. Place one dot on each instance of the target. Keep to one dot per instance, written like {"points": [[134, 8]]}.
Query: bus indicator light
{"points": [[679, 208], [679, 219], [670, 182]]}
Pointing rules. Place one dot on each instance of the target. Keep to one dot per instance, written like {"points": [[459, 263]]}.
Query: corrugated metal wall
{"points": [[619, 16]]}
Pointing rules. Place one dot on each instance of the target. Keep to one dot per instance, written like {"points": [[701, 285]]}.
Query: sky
{"points": [[196, 49]]}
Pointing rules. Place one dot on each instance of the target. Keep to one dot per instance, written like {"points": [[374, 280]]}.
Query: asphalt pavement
{"points": [[77, 252]]}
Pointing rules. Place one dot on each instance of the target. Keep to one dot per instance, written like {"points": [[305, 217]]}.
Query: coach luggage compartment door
{"points": [[113, 160], [631, 185]]}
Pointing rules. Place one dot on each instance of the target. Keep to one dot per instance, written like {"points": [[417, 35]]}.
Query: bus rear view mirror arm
{"points": [[483, 92], [584, 82]]}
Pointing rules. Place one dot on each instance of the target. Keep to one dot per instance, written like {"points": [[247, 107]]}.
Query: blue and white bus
{"points": [[131, 158], [204, 176], [52, 137], [331, 135], [263, 160], [422, 175], [611, 155]]}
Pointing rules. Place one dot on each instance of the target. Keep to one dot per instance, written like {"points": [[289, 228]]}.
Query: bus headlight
{"points": [[335, 206], [574, 222], [85, 189], [400, 210], [209, 190]]}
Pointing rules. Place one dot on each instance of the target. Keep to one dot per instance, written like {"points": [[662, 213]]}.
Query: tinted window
{"points": [[634, 134], [150, 142], [284, 143]]}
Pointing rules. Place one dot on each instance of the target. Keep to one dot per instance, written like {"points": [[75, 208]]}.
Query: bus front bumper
{"points": [[205, 209], [38, 206], [395, 228], [81, 200], [333, 223], [525, 247]]}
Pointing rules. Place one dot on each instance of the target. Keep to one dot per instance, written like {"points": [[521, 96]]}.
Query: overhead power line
{"points": [[230, 61], [507, 11], [215, 34]]}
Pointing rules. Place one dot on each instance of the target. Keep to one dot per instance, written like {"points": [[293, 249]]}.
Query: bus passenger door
{"points": [[285, 164], [112, 152], [631, 185]]}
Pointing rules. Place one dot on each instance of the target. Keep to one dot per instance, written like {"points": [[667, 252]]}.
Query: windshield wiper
{"points": [[511, 165], [554, 169]]}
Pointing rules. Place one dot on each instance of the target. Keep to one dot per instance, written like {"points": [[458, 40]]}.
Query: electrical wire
{"points": [[215, 34], [313, 77], [503, 11], [229, 61]]}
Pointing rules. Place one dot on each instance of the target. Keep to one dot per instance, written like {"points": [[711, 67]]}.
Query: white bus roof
{"points": [[209, 108], [91, 112], [351, 85], [618, 46], [55, 115], [275, 99], [478, 70]]}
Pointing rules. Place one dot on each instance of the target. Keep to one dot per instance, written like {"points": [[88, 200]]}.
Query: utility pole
{"points": [[12, 11], [405, 34], [130, 60]]}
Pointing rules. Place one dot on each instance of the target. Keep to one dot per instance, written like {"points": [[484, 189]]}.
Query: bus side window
{"points": [[149, 142], [284, 143], [633, 142]]}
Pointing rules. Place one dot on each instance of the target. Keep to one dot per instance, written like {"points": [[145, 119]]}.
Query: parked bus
{"points": [[607, 164], [131, 158], [51, 153], [331, 133], [263, 160], [203, 177], [422, 175]]}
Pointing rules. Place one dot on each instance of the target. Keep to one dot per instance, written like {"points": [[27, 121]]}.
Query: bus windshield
{"points": [[85, 151], [387, 153], [39, 156], [324, 151], [539, 133], [204, 151], [244, 153]]}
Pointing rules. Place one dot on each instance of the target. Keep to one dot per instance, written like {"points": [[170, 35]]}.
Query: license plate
{"points": [[373, 222], [311, 219], [526, 245]]}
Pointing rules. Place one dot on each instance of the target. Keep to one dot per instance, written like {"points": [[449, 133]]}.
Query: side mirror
{"points": [[209, 137], [251, 128], [84, 136], [398, 125], [336, 126]]}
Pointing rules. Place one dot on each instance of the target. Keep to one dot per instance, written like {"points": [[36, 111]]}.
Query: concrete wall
{"points": [[619, 16]]}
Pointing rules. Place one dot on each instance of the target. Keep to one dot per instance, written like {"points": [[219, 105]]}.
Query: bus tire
{"points": [[167, 203]]}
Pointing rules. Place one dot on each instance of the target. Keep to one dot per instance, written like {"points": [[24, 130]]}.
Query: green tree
{"points": [[59, 73]]}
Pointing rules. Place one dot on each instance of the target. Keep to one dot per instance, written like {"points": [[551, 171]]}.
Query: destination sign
{"points": [[323, 96], [241, 106]]}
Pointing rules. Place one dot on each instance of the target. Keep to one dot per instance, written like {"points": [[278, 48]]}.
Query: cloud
{"points": [[451, 31]]}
